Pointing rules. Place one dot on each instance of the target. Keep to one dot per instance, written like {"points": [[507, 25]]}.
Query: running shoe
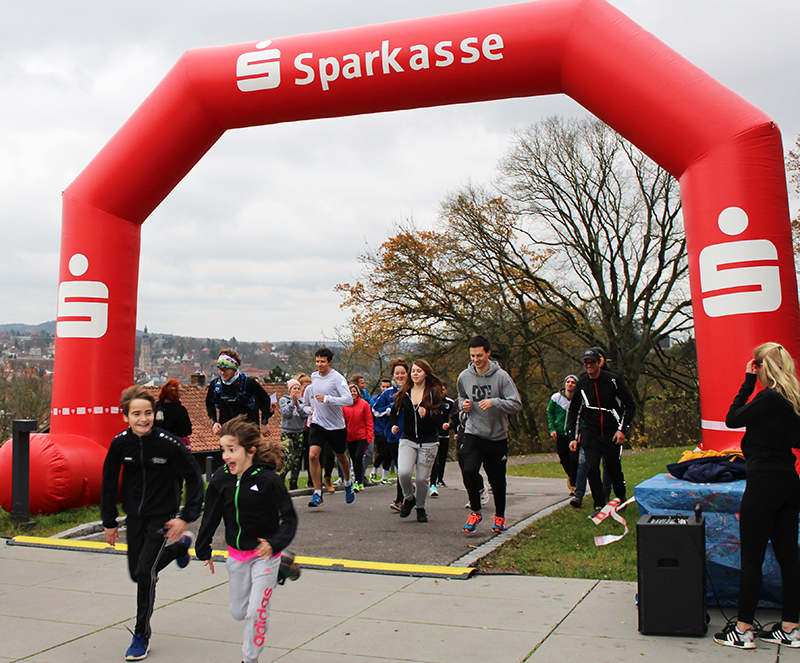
{"points": [[316, 500], [434, 492], [374, 477], [730, 636], [499, 524], [422, 517], [349, 495], [472, 522], [396, 506], [777, 635], [140, 645], [576, 502], [442, 484], [386, 481], [407, 507], [187, 540], [358, 487]]}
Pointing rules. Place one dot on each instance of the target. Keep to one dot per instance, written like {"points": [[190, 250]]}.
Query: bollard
{"points": [[21, 470], [208, 468]]}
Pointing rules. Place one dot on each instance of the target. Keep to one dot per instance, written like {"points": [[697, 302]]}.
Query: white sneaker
{"points": [[730, 637], [484, 496], [777, 635]]}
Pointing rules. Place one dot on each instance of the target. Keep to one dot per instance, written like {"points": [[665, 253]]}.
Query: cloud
{"points": [[252, 242]]}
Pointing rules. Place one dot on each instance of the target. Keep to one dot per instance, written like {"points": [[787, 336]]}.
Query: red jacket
{"points": [[358, 419]]}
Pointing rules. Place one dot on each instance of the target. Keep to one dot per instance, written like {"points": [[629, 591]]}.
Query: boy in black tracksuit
{"points": [[154, 465], [599, 415]]}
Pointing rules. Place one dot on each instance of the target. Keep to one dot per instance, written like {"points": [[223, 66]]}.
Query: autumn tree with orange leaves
{"points": [[580, 243]]}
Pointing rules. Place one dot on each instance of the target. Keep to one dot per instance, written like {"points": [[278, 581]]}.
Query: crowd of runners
{"points": [[327, 422], [406, 427]]}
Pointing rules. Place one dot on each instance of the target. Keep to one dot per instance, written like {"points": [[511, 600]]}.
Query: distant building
{"points": [[145, 353]]}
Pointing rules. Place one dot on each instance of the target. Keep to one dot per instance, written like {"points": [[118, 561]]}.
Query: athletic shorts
{"points": [[337, 438]]}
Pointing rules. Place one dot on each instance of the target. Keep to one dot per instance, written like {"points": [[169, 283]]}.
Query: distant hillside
{"points": [[49, 327]]}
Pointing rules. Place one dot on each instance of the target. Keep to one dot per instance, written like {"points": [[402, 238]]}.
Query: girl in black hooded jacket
{"points": [[260, 522]]}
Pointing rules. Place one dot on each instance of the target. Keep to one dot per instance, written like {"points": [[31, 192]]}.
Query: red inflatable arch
{"points": [[726, 153]]}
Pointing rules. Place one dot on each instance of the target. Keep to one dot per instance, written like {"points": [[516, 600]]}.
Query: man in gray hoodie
{"points": [[488, 395]]}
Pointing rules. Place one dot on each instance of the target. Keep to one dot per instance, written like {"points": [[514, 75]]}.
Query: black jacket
{"points": [[253, 506], [415, 428], [174, 418], [153, 469], [244, 395], [773, 428], [604, 405]]}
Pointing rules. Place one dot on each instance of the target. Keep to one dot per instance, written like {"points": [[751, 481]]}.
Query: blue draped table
{"points": [[719, 502]]}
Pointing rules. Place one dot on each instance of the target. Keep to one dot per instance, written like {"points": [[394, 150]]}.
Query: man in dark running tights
{"points": [[487, 395]]}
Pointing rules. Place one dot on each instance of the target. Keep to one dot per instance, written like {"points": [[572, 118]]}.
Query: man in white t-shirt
{"points": [[323, 400]]}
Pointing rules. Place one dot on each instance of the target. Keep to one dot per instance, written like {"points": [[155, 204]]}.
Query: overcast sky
{"points": [[304, 199]]}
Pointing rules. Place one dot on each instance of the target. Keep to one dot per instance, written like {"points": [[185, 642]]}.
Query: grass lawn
{"points": [[562, 545], [47, 525]]}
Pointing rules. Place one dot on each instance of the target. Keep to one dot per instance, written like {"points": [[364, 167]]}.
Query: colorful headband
{"points": [[224, 361]]}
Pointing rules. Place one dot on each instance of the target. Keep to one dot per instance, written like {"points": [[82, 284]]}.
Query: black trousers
{"points": [[437, 473], [382, 458], [492, 455], [568, 459], [595, 447], [769, 512], [147, 555]]}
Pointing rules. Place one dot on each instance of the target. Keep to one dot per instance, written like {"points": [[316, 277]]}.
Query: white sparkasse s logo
{"points": [[82, 305], [756, 288], [260, 69]]}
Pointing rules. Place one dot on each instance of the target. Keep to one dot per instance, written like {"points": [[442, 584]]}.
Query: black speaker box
{"points": [[671, 552]]}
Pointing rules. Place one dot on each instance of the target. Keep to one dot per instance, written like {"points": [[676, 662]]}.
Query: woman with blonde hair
{"points": [[771, 501]]}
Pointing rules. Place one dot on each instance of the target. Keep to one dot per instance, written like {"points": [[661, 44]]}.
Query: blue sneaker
{"points": [[349, 495], [138, 649], [499, 524], [472, 522], [187, 540], [316, 500]]}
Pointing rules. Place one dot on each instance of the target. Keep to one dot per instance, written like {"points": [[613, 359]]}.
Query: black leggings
{"points": [[356, 451], [769, 512]]}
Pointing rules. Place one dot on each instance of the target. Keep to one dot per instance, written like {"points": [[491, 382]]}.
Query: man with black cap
{"points": [[599, 416]]}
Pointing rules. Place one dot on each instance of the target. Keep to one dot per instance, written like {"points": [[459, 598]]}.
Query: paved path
{"points": [[369, 530], [64, 606], [59, 606]]}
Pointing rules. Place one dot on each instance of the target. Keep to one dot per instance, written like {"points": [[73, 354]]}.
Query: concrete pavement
{"points": [[65, 606]]}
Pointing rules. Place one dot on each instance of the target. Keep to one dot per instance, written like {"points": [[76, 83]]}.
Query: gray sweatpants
{"points": [[422, 456], [251, 585]]}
